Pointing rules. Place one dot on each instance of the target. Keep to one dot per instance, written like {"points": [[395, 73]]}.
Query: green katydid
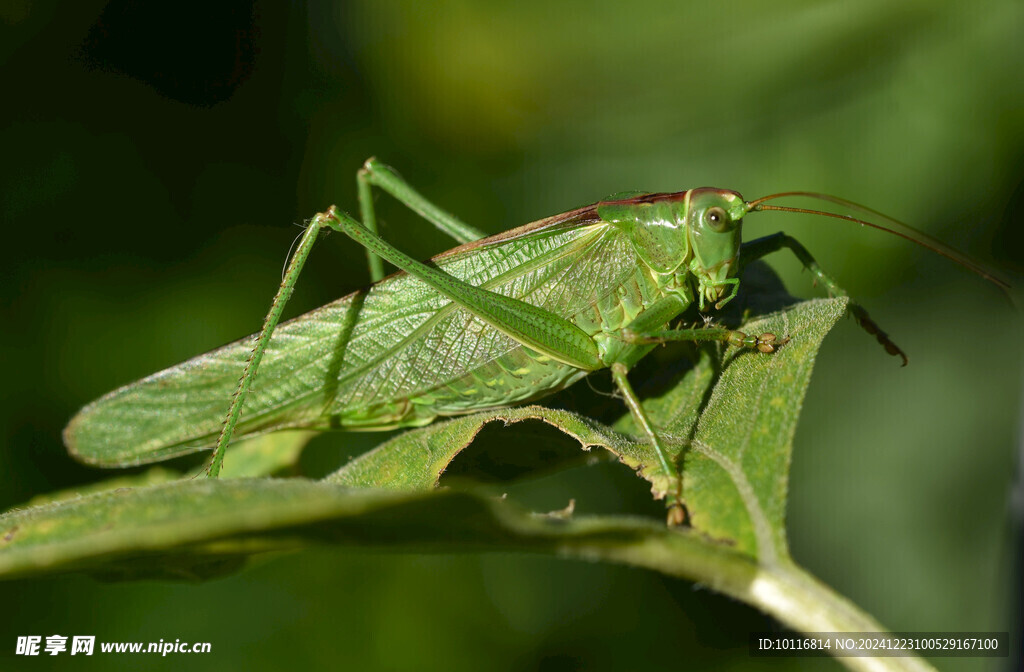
{"points": [[496, 321]]}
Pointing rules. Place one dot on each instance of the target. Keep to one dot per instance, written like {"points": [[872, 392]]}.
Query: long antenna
{"points": [[894, 227]]}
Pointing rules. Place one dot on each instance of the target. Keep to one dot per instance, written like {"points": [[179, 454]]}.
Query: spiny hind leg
{"points": [[777, 241], [376, 174], [284, 292]]}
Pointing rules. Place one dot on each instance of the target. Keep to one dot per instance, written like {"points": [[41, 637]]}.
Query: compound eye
{"points": [[717, 218]]}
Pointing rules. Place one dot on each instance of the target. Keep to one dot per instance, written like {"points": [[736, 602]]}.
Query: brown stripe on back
{"points": [[648, 198], [578, 217], [582, 216]]}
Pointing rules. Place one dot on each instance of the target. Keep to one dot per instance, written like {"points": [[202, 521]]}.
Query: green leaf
{"points": [[151, 476], [196, 529], [416, 459], [260, 456], [735, 430], [265, 455], [178, 526]]}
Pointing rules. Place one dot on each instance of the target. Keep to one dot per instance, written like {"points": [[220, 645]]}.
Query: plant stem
{"points": [[783, 589]]}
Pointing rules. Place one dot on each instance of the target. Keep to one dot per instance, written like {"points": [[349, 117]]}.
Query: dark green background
{"points": [[156, 157]]}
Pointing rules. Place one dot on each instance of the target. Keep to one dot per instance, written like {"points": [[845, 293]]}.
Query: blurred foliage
{"points": [[155, 154]]}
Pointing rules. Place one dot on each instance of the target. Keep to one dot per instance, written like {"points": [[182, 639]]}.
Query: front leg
{"points": [[777, 241]]}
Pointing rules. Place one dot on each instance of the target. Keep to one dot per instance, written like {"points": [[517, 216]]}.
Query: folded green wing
{"points": [[378, 358]]}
